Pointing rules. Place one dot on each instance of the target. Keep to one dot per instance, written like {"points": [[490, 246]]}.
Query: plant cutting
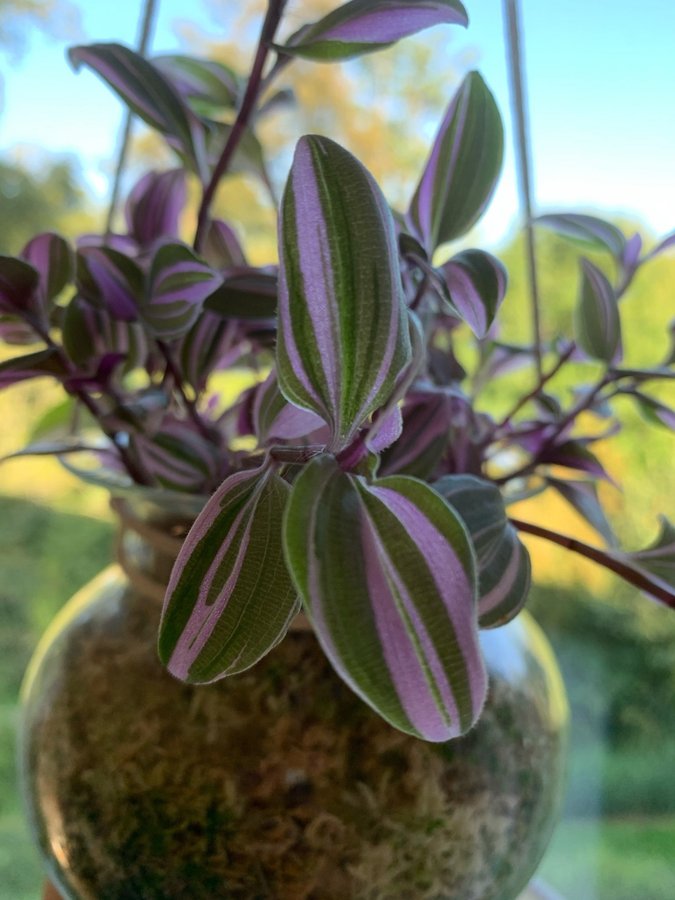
{"points": [[333, 550]]}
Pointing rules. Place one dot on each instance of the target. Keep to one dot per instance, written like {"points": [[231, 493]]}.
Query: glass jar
{"points": [[278, 782]]}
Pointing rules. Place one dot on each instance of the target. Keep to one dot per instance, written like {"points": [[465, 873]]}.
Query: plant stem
{"points": [[632, 576], [248, 104], [535, 391], [172, 369], [147, 22], [523, 159]]}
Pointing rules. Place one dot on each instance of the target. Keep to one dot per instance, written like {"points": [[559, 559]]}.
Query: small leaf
{"points": [[178, 284], [427, 418], [230, 598], [343, 331], [583, 496], [504, 568], [90, 332], [246, 293], [462, 169], [32, 365], [18, 284], [652, 410], [386, 574], [176, 457], [665, 244], [204, 83], [52, 258], [154, 206], [148, 93], [597, 324], [362, 26], [221, 247], [275, 419], [476, 282], [110, 280], [203, 347], [656, 562], [587, 230]]}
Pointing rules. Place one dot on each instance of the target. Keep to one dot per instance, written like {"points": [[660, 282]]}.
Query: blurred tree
{"points": [[57, 18]]}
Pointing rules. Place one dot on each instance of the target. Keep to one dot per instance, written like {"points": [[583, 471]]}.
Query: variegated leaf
{"points": [[176, 457], [221, 247], [204, 83], [387, 576], [246, 293], [275, 419], [463, 167], [504, 568], [343, 331], [148, 93], [154, 206], [476, 282], [230, 598], [362, 26], [586, 230], [178, 284], [51, 256], [110, 280], [597, 324], [89, 333]]}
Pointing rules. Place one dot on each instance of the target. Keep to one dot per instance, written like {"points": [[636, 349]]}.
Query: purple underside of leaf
{"points": [[386, 574]]}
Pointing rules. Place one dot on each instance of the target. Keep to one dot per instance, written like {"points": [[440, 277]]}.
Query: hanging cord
{"points": [[513, 27], [147, 23]]}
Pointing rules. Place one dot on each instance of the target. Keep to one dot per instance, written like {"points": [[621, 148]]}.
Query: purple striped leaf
{"points": [[504, 568], [343, 332], [206, 85], [154, 206], [32, 365], [597, 323], [386, 573], [178, 284], [427, 419], [246, 293], [583, 497], [51, 256], [176, 457], [587, 230], [18, 286], [204, 346], [221, 247], [147, 92], [275, 419], [476, 283], [230, 598], [573, 454], [362, 26], [90, 332], [110, 280], [463, 167]]}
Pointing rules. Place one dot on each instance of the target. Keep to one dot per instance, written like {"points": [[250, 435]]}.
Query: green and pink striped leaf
{"points": [[597, 324], [154, 206], [178, 284], [110, 280], [463, 167], [504, 568], [588, 230], [362, 26], [476, 283], [204, 84], [51, 256], [275, 419], [343, 331], [145, 89], [230, 598], [386, 573]]}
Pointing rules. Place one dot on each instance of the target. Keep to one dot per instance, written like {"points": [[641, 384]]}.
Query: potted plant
{"points": [[356, 705]]}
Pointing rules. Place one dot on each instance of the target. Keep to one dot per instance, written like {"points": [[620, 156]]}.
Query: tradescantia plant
{"points": [[361, 478]]}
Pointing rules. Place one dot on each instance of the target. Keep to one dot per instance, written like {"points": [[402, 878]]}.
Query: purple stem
{"points": [[540, 384], [630, 575], [248, 104], [173, 370]]}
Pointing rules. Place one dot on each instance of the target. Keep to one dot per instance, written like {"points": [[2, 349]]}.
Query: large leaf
{"points": [[230, 598], [362, 26], [476, 283], [343, 331], [597, 324], [148, 93], [178, 284], [387, 576], [463, 166], [504, 568]]}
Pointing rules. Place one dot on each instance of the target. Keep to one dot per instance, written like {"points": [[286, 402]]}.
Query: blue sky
{"points": [[601, 82]]}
